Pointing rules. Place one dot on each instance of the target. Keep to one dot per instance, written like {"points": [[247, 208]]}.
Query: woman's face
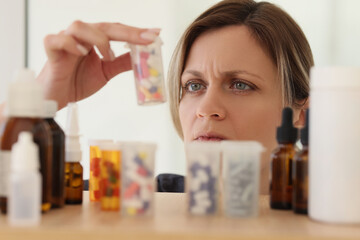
{"points": [[230, 89]]}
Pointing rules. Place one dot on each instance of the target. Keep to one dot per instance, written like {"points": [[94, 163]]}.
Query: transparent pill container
{"points": [[203, 177], [148, 70]]}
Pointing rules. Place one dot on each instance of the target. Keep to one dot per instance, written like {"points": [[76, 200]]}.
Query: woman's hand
{"points": [[74, 71]]}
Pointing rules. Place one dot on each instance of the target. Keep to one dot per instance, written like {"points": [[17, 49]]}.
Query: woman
{"points": [[234, 69]]}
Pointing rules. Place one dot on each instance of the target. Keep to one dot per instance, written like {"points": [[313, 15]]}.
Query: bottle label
{"points": [[5, 157]]}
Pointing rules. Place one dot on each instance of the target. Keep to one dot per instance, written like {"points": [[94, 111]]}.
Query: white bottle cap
{"points": [[50, 108], [25, 96], [25, 154], [72, 141]]}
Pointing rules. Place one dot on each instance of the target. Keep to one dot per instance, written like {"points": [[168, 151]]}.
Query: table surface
{"points": [[171, 221]]}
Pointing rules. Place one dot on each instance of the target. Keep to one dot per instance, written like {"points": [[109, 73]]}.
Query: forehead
{"points": [[227, 49]]}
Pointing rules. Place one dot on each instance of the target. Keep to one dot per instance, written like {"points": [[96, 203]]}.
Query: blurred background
{"points": [[331, 26]]}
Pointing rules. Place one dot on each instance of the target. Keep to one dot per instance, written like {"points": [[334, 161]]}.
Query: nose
{"points": [[211, 106]]}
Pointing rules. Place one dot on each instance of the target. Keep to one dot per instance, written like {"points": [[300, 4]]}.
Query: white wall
{"points": [[332, 28], [12, 41]]}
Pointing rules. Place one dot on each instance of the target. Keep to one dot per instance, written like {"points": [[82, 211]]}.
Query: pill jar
{"points": [[146, 61], [334, 150]]}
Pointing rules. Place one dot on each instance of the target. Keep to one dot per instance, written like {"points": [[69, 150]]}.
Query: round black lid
{"points": [[287, 133]]}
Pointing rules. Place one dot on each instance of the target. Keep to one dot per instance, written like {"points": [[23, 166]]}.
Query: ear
{"points": [[300, 114]]}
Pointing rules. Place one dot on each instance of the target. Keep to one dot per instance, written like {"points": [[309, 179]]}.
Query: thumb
{"points": [[119, 65]]}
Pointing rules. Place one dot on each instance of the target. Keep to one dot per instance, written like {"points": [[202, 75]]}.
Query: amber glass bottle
{"points": [[281, 190], [300, 177], [73, 182], [58, 156], [25, 102]]}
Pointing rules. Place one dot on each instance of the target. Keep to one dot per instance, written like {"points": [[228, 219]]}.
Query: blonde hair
{"points": [[273, 28]]}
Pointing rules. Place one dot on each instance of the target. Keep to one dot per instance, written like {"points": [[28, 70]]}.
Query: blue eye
{"points": [[193, 87], [240, 86]]}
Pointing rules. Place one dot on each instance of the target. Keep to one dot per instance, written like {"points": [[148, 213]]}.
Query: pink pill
{"points": [[144, 55], [144, 68]]}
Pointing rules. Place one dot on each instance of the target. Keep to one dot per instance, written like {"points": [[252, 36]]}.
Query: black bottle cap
{"points": [[287, 133], [305, 130]]}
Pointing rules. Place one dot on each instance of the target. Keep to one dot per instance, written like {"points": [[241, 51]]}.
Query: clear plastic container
{"points": [[241, 167], [203, 178], [137, 191], [148, 71]]}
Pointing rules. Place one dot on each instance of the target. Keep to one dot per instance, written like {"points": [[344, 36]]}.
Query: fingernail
{"points": [[82, 49], [148, 35], [154, 30], [111, 55]]}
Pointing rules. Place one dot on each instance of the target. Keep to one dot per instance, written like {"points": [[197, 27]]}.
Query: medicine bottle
{"points": [[73, 169], [334, 145], [95, 158], [146, 61], [58, 155], [24, 183], [110, 169], [281, 163], [24, 112], [300, 169]]}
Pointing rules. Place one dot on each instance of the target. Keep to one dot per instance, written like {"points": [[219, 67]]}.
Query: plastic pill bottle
{"points": [[334, 151]]}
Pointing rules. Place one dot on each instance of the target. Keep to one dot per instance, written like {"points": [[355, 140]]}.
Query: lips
{"points": [[209, 137], [203, 138]]}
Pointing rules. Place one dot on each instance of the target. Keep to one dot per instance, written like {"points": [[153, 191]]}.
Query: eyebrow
{"points": [[226, 74]]}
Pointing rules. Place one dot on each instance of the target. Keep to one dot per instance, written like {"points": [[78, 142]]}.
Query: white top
{"points": [[25, 96], [25, 154], [72, 136], [50, 108]]}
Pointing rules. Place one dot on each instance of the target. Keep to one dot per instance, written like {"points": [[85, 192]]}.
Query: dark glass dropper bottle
{"points": [[58, 155], [281, 163], [300, 179]]}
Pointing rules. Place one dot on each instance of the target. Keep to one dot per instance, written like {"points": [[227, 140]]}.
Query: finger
{"points": [[55, 44], [119, 65], [86, 45], [121, 32], [93, 36]]}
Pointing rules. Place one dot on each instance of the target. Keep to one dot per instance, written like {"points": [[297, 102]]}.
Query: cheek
{"points": [[187, 117], [257, 120]]}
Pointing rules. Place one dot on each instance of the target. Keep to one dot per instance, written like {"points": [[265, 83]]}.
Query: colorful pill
{"points": [[131, 190], [157, 95], [145, 73], [144, 55], [96, 194], [142, 171], [153, 89], [153, 72], [143, 155], [131, 211]]}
